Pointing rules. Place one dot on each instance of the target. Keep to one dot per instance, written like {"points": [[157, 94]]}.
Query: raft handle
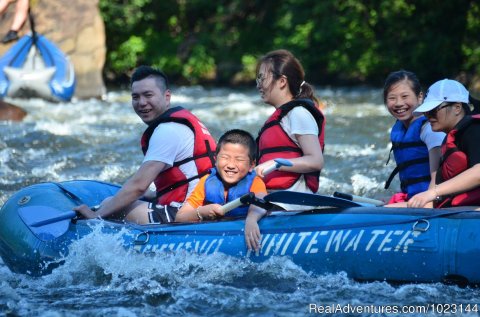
{"points": [[139, 241], [23, 200], [420, 228]]}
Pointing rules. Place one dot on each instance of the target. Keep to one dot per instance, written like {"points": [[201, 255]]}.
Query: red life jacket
{"points": [[454, 162], [172, 184], [273, 142]]}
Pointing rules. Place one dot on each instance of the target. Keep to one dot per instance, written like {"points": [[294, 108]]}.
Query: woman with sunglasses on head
{"points": [[415, 146], [295, 130], [457, 183]]}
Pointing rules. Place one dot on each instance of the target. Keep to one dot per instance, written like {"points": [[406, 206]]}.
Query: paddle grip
{"points": [[270, 169], [231, 205], [244, 200], [278, 163]]}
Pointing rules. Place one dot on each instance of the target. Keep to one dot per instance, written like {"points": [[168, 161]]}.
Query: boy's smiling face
{"points": [[233, 162]]}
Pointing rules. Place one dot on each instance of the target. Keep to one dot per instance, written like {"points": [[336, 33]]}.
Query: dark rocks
{"points": [[11, 112]]}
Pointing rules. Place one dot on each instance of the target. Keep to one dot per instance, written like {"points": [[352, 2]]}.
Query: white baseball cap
{"points": [[445, 90]]}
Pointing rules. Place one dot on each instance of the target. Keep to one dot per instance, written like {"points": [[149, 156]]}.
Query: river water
{"points": [[92, 139]]}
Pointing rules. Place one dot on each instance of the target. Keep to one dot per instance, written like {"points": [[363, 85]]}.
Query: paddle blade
{"points": [[306, 199], [46, 223]]}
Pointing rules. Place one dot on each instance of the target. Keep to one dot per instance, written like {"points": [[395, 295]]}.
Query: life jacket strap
{"points": [[280, 149], [181, 183], [404, 165]]}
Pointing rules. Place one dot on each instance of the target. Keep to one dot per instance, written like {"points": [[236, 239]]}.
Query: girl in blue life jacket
{"points": [[415, 146]]}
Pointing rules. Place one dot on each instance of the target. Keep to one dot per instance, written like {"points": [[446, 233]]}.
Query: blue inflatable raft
{"points": [[366, 242], [35, 67]]}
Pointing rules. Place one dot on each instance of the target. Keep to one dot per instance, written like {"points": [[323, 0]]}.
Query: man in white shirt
{"points": [[178, 150]]}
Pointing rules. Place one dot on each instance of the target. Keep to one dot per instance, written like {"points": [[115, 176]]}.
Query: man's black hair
{"points": [[142, 72]]}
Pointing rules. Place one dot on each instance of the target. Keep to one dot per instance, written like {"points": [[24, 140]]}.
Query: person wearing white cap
{"points": [[458, 178], [415, 146]]}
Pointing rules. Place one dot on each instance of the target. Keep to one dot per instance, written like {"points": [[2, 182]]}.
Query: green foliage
{"points": [[471, 42], [200, 65], [127, 54], [338, 42]]}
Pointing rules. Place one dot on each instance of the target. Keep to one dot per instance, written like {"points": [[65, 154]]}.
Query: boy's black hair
{"points": [[238, 136], [142, 72]]}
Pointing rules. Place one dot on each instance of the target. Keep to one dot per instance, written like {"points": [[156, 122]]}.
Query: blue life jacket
{"points": [[214, 191], [411, 156]]}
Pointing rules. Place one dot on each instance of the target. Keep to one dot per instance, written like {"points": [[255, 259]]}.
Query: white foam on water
{"points": [[115, 171], [238, 112], [51, 171], [36, 154], [55, 128], [5, 155], [181, 99], [353, 150], [362, 184]]}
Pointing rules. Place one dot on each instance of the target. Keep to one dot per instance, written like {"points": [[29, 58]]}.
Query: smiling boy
{"points": [[232, 177]]}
